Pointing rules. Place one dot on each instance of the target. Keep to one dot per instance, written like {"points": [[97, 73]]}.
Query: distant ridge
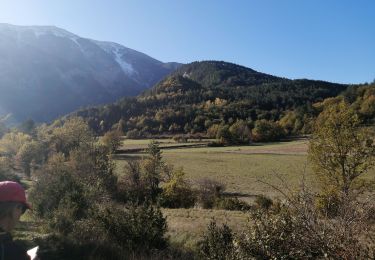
{"points": [[46, 71], [201, 94]]}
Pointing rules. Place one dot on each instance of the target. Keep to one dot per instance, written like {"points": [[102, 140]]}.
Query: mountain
{"points": [[46, 71], [201, 94]]}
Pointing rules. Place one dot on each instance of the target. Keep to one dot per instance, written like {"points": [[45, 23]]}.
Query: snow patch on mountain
{"points": [[117, 51], [75, 40], [126, 67]]}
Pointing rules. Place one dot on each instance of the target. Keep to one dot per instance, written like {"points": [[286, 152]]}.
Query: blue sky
{"points": [[327, 40]]}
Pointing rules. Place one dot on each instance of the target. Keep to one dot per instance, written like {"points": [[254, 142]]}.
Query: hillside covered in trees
{"points": [[202, 96], [207, 97]]}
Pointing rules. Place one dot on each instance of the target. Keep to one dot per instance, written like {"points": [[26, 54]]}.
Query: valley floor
{"points": [[243, 170]]}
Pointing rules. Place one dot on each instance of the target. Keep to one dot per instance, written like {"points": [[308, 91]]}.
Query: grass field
{"points": [[143, 143], [240, 168], [186, 226]]}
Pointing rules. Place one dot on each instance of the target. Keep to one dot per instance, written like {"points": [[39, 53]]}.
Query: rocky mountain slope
{"points": [[46, 71]]}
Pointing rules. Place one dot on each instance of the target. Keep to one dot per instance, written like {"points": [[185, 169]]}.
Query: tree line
{"points": [[205, 95]]}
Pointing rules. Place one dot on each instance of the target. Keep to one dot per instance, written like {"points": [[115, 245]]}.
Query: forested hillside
{"points": [[203, 97]]}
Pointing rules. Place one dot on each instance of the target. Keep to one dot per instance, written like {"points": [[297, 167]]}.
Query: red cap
{"points": [[11, 191]]}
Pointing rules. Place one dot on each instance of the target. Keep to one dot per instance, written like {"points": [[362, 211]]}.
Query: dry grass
{"points": [[240, 172], [186, 226], [143, 143], [239, 168]]}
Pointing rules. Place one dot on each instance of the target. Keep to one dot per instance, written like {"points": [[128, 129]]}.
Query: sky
{"points": [[324, 40]]}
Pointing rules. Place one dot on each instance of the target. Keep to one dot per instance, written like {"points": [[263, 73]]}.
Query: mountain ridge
{"points": [[201, 94], [50, 71]]}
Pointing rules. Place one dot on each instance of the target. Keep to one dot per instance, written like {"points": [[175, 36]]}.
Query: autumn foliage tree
{"points": [[112, 140], [341, 149]]}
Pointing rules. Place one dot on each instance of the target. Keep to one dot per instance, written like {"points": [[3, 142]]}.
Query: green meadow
{"points": [[242, 169], [246, 171]]}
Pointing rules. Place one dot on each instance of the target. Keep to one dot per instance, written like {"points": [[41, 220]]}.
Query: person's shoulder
{"points": [[14, 251], [4, 236]]}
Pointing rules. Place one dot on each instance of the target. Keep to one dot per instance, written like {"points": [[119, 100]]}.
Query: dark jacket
{"points": [[9, 250]]}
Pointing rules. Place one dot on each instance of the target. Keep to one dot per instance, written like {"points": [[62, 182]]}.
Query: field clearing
{"points": [[130, 144], [241, 167], [186, 226]]}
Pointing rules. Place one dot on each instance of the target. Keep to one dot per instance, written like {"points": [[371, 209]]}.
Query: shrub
{"points": [[217, 243], [131, 228], [212, 131], [208, 192], [329, 202], [75, 133], [263, 202], [74, 194], [53, 183], [109, 232], [112, 140], [131, 186], [340, 149], [231, 204], [240, 132], [215, 144], [30, 153], [299, 231], [6, 172], [266, 131], [177, 193], [180, 139], [133, 134], [224, 135]]}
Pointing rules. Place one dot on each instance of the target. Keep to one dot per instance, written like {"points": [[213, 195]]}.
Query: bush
{"points": [[217, 243], [299, 231], [263, 202], [296, 230], [57, 247], [65, 189], [52, 184], [224, 135], [131, 228], [215, 144], [267, 131], [240, 132], [131, 186], [177, 193], [208, 192], [231, 204], [180, 139], [6, 172], [212, 131], [329, 202], [133, 134], [112, 140]]}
